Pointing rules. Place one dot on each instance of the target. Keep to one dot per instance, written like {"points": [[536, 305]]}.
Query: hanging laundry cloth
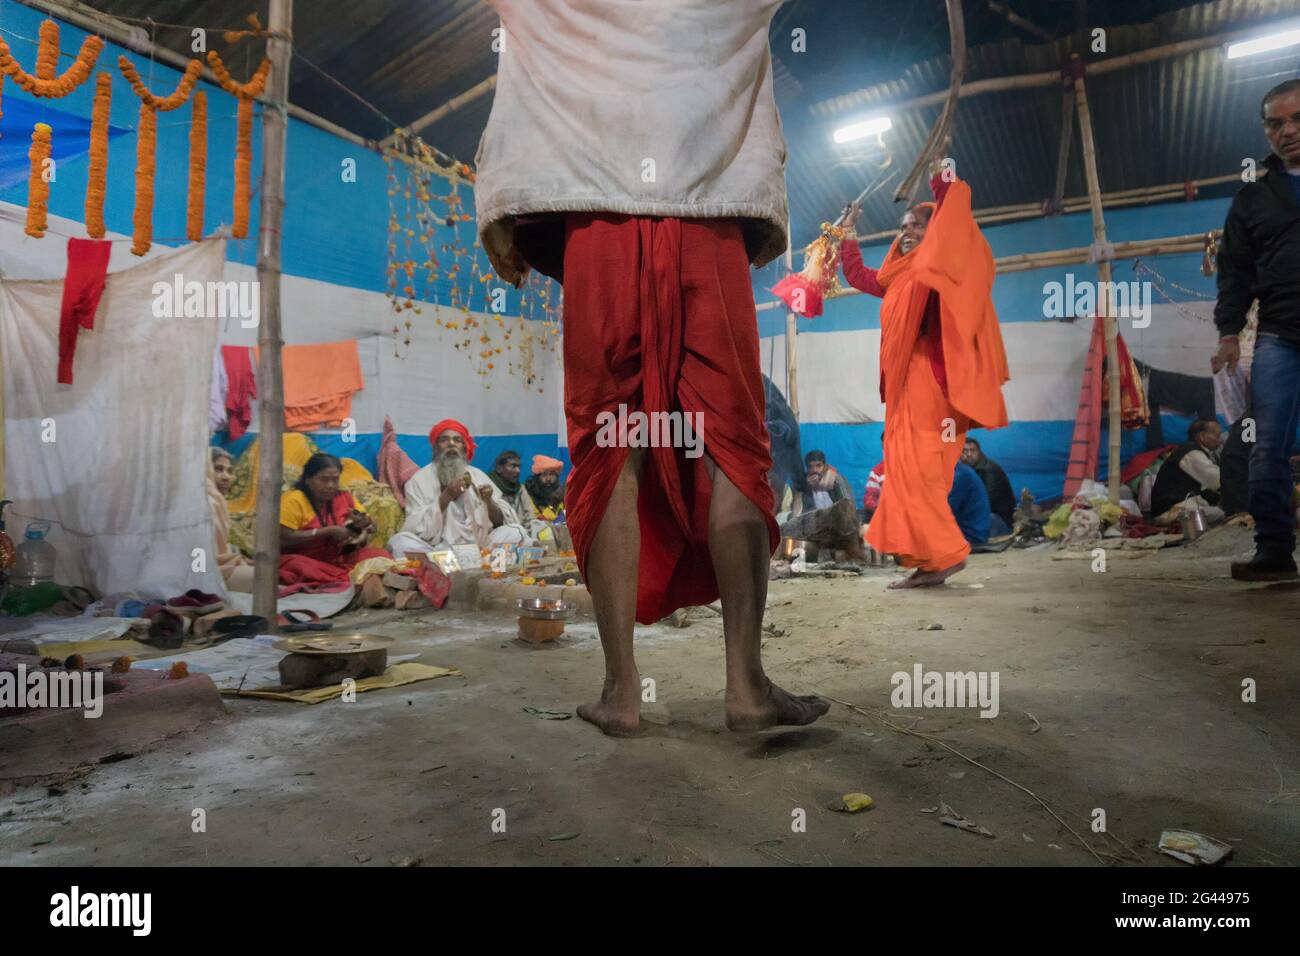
{"points": [[82, 288]]}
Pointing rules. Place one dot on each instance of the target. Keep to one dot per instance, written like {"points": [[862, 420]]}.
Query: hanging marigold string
{"points": [[97, 179], [165, 104], [47, 54], [146, 143], [198, 168], [145, 149], [44, 83], [245, 93], [38, 186]]}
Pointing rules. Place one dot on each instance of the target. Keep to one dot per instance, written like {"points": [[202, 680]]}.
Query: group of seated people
{"points": [[325, 531]]}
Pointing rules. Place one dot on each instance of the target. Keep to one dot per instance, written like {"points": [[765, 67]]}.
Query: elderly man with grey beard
{"points": [[450, 502]]}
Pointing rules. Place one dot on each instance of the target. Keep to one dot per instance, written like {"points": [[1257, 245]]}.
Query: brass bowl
{"points": [[543, 609]]}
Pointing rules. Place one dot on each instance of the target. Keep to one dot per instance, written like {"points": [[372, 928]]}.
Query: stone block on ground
{"points": [[140, 709]]}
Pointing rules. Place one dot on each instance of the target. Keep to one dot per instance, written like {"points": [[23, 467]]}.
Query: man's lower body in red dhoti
{"points": [[659, 318]]}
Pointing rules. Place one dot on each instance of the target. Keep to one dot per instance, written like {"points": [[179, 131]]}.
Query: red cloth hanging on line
{"points": [[241, 389], [82, 288]]}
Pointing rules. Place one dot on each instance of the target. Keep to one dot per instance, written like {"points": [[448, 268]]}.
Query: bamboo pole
{"points": [[1104, 275], [791, 334], [270, 374], [1002, 84], [1123, 197], [1063, 152], [456, 102], [1026, 261]]}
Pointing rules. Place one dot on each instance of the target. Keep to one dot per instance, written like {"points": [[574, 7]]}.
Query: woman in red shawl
{"points": [[323, 530]]}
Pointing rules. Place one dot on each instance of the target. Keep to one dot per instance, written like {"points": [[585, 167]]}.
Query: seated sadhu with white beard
{"points": [[450, 502]]}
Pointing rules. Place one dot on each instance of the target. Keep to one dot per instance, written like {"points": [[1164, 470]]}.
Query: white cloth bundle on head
{"points": [[662, 109]]}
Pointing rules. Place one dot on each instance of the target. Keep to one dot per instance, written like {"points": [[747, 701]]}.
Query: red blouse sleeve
{"points": [[939, 187], [861, 276]]}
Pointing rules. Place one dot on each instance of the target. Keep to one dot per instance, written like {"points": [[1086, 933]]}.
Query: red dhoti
{"points": [[659, 317]]}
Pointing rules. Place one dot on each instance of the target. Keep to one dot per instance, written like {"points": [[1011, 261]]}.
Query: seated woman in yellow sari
{"points": [[323, 530]]}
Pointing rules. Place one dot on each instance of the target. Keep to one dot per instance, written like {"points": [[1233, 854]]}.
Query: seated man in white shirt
{"points": [[1190, 474], [450, 502]]}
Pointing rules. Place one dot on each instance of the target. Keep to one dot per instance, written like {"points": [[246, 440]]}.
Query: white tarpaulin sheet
{"points": [[117, 460]]}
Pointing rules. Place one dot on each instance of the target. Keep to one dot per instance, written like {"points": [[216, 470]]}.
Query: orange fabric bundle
{"points": [[145, 148], [319, 382], [97, 178], [38, 187], [198, 168], [926, 421], [44, 83]]}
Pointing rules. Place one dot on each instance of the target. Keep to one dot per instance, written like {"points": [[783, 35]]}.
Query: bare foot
{"points": [[772, 707], [927, 579], [618, 712]]}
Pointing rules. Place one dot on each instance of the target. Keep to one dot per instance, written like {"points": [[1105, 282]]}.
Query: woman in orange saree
{"points": [[942, 367]]}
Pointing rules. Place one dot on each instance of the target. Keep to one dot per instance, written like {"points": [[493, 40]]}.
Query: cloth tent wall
{"points": [[839, 369], [116, 459], [334, 258]]}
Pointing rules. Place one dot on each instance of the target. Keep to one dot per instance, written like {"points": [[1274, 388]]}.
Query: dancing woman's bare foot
{"points": [[770, 706], [618, 712], [927, 579]]}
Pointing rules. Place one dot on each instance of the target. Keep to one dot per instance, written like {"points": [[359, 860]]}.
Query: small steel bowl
{"points": [[543, 609]]}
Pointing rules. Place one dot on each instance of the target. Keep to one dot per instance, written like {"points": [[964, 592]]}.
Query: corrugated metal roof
{"points": [[1185, 118]]}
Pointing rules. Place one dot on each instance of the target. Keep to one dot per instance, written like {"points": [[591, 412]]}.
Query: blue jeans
{"points": [[1275, 406]]}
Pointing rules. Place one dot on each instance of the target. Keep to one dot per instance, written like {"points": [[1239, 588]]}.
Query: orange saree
{"points": [[942, 367]]}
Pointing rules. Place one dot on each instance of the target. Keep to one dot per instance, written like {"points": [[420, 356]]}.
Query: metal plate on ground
{"points": [[334, 643]]}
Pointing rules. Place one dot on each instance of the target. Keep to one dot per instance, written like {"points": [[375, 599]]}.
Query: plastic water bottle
{"points": [[36, 556]]}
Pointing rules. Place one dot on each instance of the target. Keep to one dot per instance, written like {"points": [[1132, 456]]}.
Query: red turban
{"points": [[453, 425]]}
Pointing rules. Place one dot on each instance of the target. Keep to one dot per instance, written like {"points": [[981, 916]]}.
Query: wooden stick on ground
{"points": [[971, 760]]}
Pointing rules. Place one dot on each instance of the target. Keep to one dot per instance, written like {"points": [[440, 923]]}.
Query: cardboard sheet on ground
{"points": [[326, 605], [250, 661], [253, 664], [61, 636], [396, 675]]}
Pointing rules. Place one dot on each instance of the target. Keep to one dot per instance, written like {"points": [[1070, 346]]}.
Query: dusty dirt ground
{"points": [[1133, 675]]}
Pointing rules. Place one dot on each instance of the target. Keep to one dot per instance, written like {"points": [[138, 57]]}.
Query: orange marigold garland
{"points": [[38, 188], [245, 93], [96, 182], [47, 54], [198, 168], [243, 169], [165, 104], [146, 144], [44, 83]]}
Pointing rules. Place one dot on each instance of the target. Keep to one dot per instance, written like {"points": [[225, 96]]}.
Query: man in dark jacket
{"points": [[1259, 258], [1001, 498]]}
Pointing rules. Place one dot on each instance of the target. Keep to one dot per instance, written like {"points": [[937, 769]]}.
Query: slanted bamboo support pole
{"points": [[1104, 309], [270, 374]]}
